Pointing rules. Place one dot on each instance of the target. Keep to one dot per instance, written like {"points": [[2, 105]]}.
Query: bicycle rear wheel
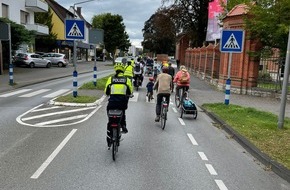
{"points": [[177, 100], [163, 117], [114, 144]]}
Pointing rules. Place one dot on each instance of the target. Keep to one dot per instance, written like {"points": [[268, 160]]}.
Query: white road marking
{"points": [[53, 155], [43, 124], [14, 93], [202, 156], [135, 98], [56, 93], [181, 121], [18, 119], [191, 138], [34, 93], [210, 169], [45, 109], [221, 184], [174, 109], [56, 113]]}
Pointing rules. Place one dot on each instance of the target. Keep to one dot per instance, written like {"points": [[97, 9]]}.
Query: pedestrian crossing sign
{"points": [[232, 41], [75, 29]]}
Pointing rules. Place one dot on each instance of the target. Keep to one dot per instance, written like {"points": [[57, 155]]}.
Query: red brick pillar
{"points": [[244, 69]]}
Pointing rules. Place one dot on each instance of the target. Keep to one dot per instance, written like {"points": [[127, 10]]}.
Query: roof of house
{"points": [[59, 10], [63, 12], [239, 9]]}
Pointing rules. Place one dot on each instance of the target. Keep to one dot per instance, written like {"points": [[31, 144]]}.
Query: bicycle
{"points": [[115, 117], [150, 96], [164, 110], [137, 83], [180, 93]]}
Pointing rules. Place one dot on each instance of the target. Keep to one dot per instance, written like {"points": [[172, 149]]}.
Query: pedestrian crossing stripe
{"points": [[231, 43], [75, 31]]}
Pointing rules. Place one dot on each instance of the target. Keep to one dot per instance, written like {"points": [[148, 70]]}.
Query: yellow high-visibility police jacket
{"points": [[118, 87], [129, 71]]}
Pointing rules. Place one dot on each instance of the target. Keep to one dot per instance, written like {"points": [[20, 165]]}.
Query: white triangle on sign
{"points": [[231, 43], [75, 31]]}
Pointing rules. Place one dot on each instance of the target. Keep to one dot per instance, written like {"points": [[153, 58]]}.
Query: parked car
{"points": [[58, 59], [31, 60], [119, 59]]}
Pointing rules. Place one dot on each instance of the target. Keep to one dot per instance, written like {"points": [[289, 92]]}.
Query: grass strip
{"points": [[259, 127]]}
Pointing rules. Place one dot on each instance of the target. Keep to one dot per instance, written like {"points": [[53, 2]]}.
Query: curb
{"points": [[276, 167], [96, 103]]}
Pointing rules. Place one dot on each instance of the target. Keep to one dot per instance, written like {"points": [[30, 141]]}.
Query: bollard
{"points": [[11, 82], [75, 84], [95, 75], [228, 91]]}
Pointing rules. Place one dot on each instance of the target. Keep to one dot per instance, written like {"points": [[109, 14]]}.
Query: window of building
{"points": [[24, 17], [5, 9]]}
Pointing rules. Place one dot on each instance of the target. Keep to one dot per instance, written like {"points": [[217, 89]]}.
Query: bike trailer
{"points": [[188, 106]]}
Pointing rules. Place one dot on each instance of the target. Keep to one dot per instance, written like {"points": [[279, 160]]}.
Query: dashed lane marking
{"points": [[210, 169], [191, 138]]}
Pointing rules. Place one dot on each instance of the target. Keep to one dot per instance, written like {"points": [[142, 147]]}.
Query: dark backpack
{"points": [[137, 67]]}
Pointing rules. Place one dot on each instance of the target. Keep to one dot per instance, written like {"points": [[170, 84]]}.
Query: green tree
{"points": [[47, 42], [159, 32], [269, 22], [19, 34], [192, 19], [115, 35]]}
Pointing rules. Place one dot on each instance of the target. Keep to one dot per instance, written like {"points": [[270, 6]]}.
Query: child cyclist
{"points": [[149, 87]]}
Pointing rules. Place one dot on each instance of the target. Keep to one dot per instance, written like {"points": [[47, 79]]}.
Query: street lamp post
{"points": [[75, 73]]}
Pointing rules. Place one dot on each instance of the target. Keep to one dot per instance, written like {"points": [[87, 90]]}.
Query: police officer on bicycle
{"points": [[119, 88], [163, 87]]}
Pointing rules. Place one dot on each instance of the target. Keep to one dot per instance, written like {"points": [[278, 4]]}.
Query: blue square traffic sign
{"points": [[75, 29], [232, 41]]}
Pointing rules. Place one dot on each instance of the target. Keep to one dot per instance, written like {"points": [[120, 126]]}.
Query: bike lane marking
{"points": [[19, 120], [53, 155]]}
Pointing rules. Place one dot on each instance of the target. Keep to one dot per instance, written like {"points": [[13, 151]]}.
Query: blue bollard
{"points": [[75, 84], [95, 75], [11, 74], [228, 91]]}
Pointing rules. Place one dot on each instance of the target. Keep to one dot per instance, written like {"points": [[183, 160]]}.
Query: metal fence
{"points": [[271, 72]]}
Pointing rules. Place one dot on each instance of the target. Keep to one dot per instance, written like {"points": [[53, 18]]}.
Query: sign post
{"points": [[96, 36], [75, 29], [232, 41]]}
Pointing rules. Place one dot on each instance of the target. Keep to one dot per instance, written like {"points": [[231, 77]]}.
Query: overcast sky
{"points": [[134, 13]]}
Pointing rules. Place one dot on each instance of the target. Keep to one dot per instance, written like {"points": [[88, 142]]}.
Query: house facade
{"points": [[22, 12], [59, 16]]}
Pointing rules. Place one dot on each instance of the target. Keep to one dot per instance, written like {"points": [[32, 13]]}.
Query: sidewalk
{"points": [[26, 76]]}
